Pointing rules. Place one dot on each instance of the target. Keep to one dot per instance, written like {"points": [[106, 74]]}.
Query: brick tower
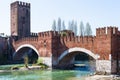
{"points": [[20, 19]]}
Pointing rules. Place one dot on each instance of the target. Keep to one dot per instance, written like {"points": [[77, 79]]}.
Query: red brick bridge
{"points": [[59, 50]]}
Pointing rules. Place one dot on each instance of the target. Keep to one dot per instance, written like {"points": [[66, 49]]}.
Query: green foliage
{"points": [[63, 34], [40, 63], [15, 68], [26, 61], [40, 60], [43, 66]]}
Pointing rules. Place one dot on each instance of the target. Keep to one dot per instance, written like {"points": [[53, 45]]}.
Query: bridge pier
{"points": [[103, 66], [47, 61], [106, 66]]}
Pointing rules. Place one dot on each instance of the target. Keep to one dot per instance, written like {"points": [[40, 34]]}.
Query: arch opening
{"points": [[26, 52], [83, 61], [78, 58]]}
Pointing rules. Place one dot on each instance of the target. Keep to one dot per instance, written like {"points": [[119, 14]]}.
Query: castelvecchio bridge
{"points": [[60, 51]]}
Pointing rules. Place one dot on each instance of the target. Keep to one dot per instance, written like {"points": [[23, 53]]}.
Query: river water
{"points": [[45, 75]]}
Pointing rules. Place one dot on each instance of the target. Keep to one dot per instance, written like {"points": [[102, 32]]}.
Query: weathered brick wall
{"points": [[115, 51], [45, 44], [99, 44], [48, 43], [28, 40]]}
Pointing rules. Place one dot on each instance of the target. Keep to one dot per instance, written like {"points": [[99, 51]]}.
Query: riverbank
{"points": [[103, 77]]}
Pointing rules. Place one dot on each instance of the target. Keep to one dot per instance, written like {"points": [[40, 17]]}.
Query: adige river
{"points": [[45, 75]]}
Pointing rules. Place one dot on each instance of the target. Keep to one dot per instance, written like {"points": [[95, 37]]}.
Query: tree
{"points": [[59, 25], [54, 26], [88, 30], [69, 26], [72, 25], [63, 25], [75, 28], [81, 29]]}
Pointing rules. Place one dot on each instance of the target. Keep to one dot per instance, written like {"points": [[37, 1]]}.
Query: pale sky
{"points": [[99, 13]]}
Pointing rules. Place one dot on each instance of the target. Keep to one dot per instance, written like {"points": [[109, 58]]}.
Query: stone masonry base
{"points": [[106, 66]]}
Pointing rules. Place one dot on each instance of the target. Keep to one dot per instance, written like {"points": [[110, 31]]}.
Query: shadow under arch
{"points": [[28, 46], [70, 50], [77, 58]]}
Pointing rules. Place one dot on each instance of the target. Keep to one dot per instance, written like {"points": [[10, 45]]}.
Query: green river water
{"points": [[45, 75]]}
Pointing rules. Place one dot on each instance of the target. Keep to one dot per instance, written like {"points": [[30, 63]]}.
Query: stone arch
{"points": [[95, 56], [26, 45]]}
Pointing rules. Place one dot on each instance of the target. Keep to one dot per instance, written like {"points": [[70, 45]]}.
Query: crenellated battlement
{"points": [[48, 34], [34, 34], [110, 30], [24, 4], [101, 31], [21, 4]]}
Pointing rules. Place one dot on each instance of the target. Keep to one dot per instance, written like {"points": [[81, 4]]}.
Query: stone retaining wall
{"points": [[103, 66], [108, 66], [47, 61]]}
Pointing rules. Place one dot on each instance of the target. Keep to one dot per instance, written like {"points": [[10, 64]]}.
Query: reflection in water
{"points": [[84, 62], [85, 65]]}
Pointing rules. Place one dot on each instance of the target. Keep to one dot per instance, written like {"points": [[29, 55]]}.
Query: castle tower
{"points": [[20, 19]]}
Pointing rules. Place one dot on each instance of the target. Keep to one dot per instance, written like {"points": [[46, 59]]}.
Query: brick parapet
{"points": [[47, 34], [108, 31]]}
